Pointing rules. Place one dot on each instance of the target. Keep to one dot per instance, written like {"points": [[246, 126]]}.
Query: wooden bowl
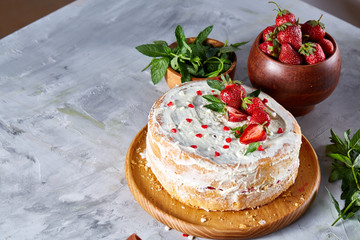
{"points": [[173, 78], [297, 87]]}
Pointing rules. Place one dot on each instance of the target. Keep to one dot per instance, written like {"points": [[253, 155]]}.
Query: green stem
{"points": [[343, 213], [319, 18], [212, 58], [354, 174], [179, 56]]}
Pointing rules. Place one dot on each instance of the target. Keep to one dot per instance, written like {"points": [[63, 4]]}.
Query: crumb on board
{"points": [[242, 225], [286, 194]]}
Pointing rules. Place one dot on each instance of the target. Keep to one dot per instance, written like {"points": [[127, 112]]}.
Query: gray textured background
{"points": [[73, 96]]}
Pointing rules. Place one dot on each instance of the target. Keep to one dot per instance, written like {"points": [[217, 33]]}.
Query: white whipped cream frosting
{"points": [[174, 115]]}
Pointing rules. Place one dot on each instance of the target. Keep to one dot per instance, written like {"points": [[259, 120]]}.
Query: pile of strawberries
{"points": [[294, 43], [238, 106]]}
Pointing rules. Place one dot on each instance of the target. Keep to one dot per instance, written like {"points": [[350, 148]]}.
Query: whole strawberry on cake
{"points": [[218, 145]]}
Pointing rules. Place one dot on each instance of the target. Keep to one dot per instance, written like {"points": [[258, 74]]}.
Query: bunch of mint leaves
{"points": [[346, 167], [197, 59]]}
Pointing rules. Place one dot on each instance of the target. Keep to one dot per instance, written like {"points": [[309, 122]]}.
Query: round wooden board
{"points": [[250, 223]]}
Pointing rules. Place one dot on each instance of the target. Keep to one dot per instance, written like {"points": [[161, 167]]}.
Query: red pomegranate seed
{"points": [[191, 106], [204, 126], [280, 130], [217, 154], [212, 90], [210, 187], [228, 140], [226, 128], [260, 148], [185, 235], [174, 130], [189, 120], [225, 146], [265, 101], [194, 146], [238, 132], [170, 104], [216, 95], [199, 135], [199, 93]]}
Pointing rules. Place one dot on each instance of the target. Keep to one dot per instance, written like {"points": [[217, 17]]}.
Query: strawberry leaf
{"points": [[307, 48], [252, 147], [245, 102], [284, 26]]}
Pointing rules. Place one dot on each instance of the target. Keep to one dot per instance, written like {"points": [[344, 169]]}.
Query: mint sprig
{"points": [[252, 147], [255, 93], [197, 59], [346, 167], [215, 84], [215, 104], [238, 131]]}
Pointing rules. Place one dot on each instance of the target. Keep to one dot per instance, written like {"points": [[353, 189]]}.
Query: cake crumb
{"points": [[203, 219], [262, 222], [242, 225], [167, 228], [143, 154], [182, 207], [286, 194], [296, 204]]}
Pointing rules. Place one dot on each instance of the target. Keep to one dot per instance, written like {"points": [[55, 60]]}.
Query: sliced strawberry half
{"points": [[236, 115], [259, 116], [253, 133]]}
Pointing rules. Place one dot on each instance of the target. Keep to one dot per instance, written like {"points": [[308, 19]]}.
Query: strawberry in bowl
{"points": [[299, 67]]}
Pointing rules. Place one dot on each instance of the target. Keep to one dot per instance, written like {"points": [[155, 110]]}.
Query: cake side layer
{"points": [[211, 190]]}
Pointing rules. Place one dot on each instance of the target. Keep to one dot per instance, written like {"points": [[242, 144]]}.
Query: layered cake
{"points": [[200, 155]]}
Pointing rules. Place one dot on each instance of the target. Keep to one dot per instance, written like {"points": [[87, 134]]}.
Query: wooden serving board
{"points": [[250, 223]]}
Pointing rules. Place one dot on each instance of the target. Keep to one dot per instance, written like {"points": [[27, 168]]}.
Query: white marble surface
{"points": [[72, 98]]}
